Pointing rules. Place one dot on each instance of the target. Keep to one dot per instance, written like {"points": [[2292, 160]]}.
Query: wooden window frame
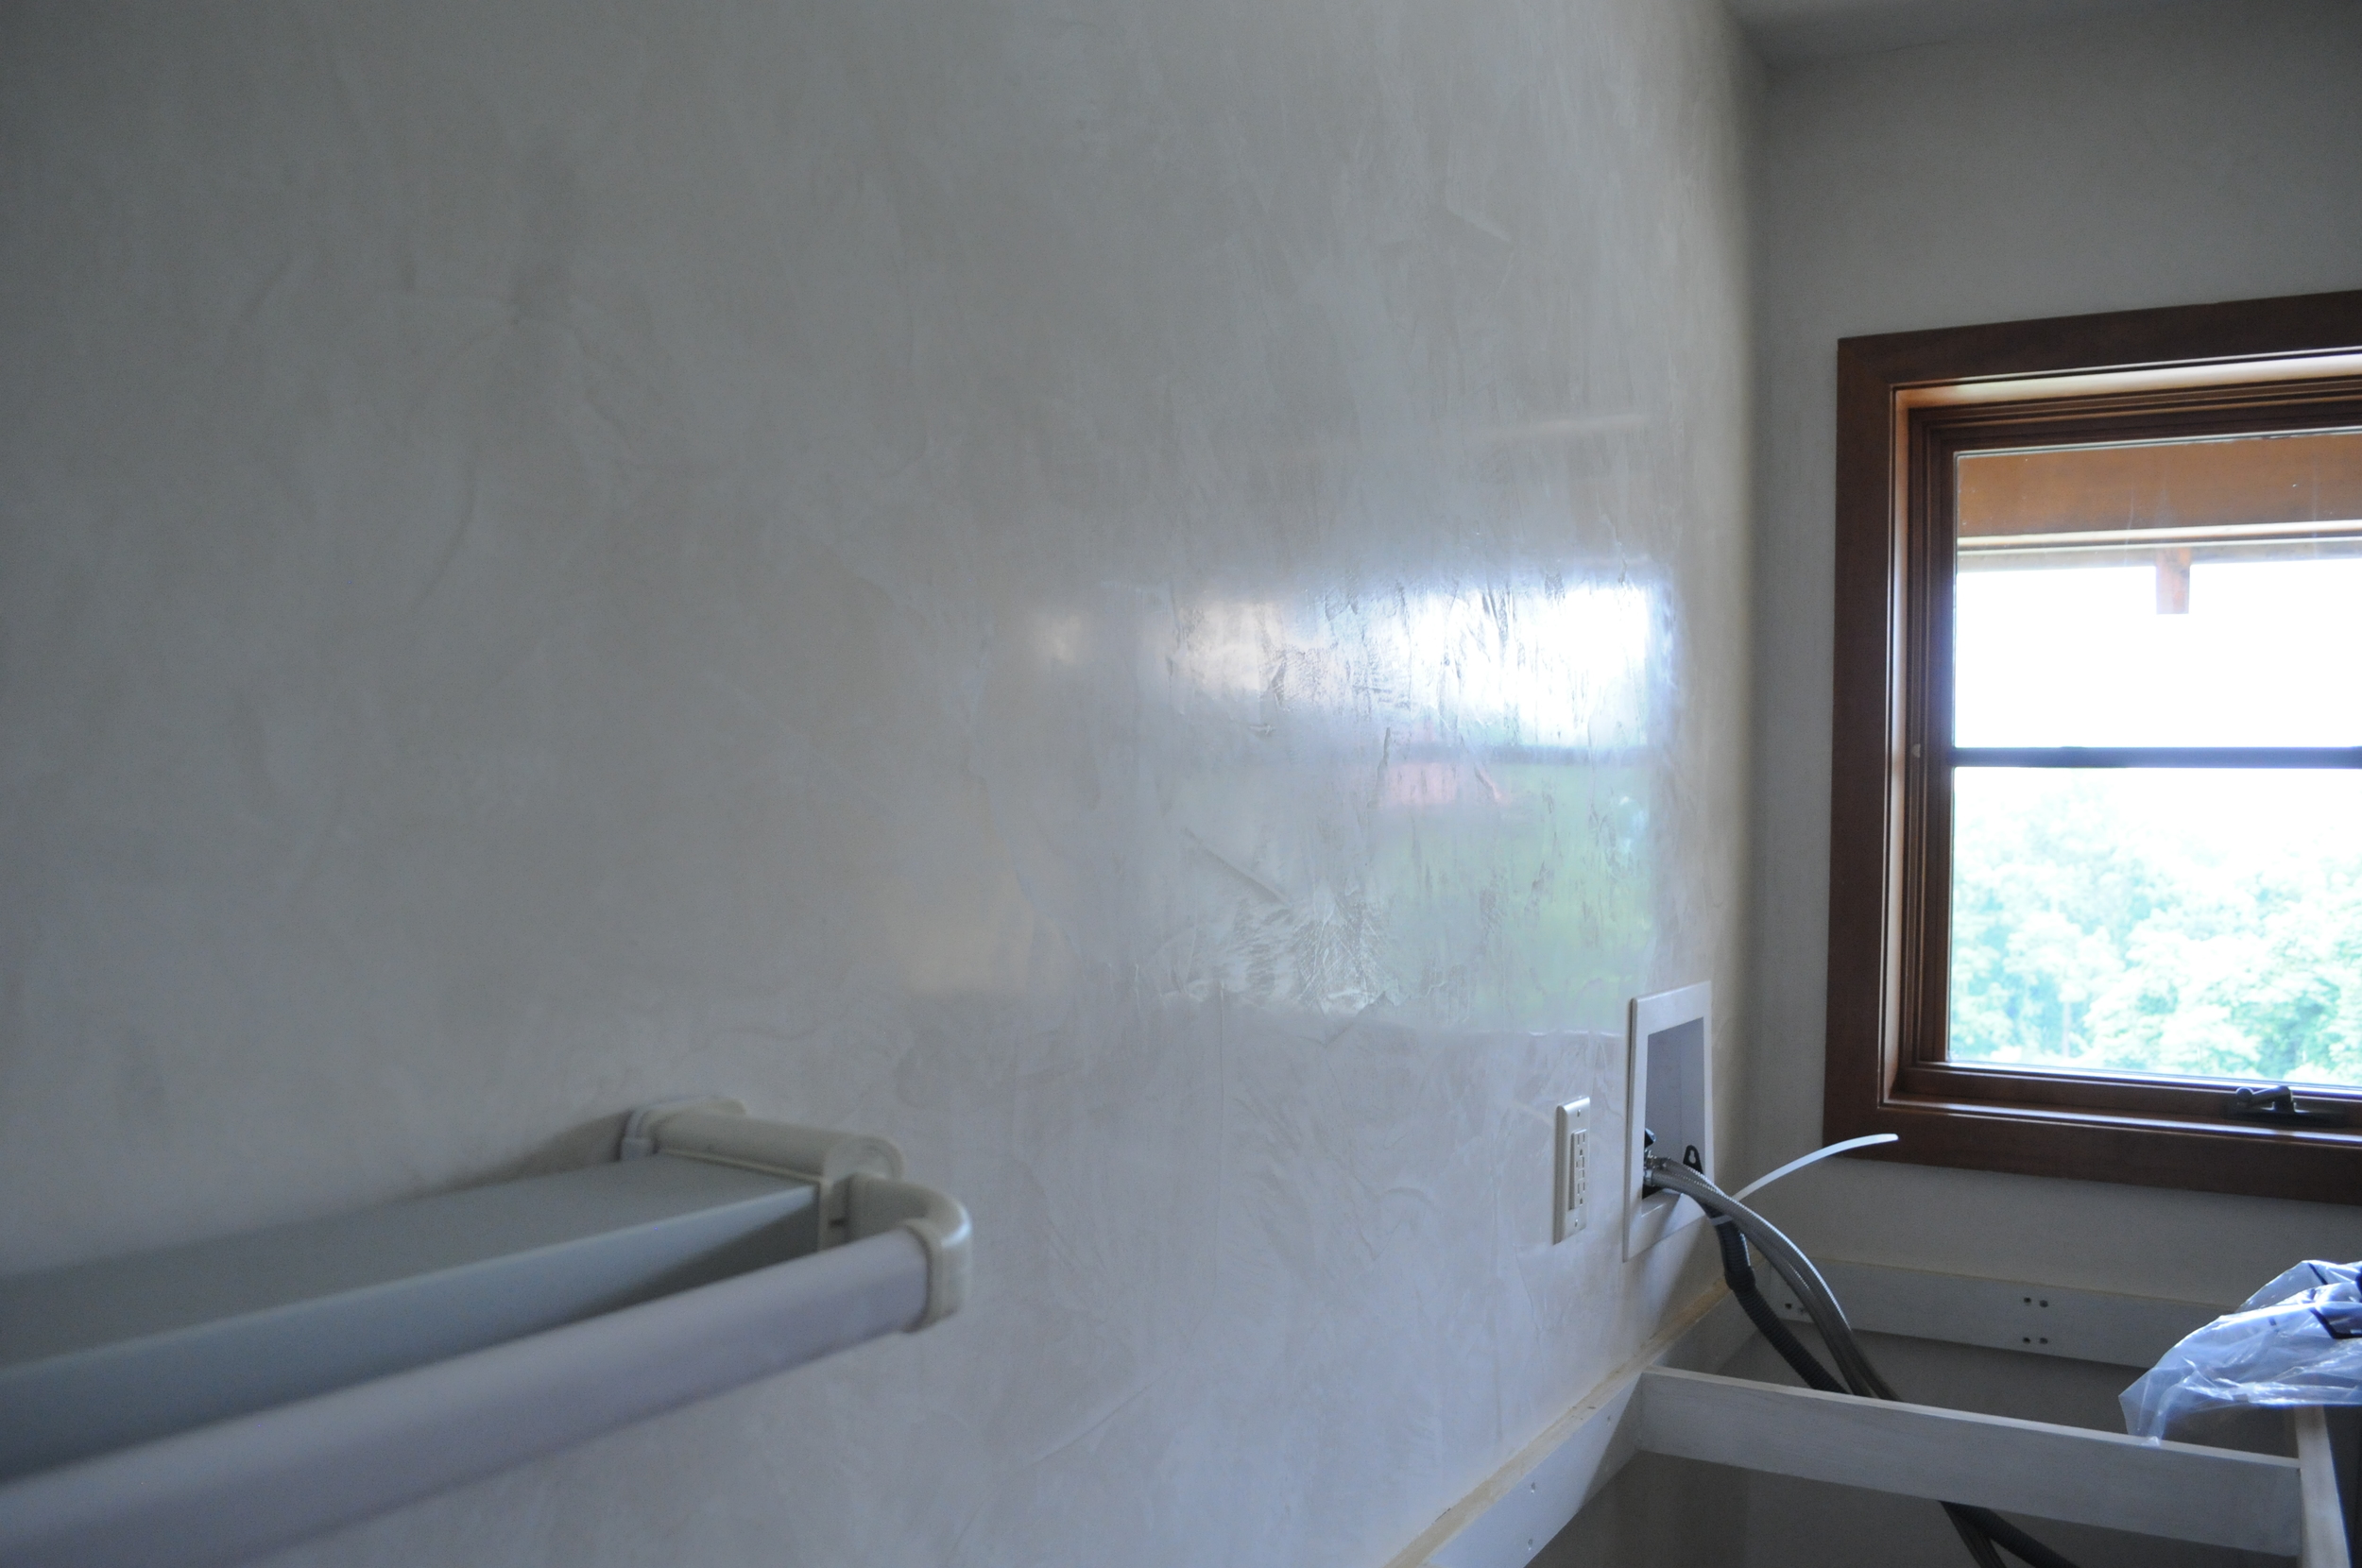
{"points": [[1907, 404]]}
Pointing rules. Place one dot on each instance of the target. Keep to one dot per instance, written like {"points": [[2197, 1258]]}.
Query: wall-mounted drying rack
{"points": [[209, 1403]]}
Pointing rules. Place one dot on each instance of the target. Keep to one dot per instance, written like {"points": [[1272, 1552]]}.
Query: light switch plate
{"points": [[1571, 1189]]}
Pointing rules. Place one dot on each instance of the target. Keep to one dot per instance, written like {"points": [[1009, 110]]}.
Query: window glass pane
{"points": [[2166, 593], [2268, 653], [2218, 491], [2198, 922]]}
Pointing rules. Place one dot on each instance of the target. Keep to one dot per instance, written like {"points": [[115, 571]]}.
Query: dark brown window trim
{"points": [[1890, 806]]}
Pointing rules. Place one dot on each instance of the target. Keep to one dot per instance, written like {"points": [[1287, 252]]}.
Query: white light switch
{"points": [[1572, 1188]]}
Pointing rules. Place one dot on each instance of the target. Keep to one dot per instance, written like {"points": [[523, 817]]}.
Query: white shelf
{"points": [[208, 1403], [1669, 1400]]}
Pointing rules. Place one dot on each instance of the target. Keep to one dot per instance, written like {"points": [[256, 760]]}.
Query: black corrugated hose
{"points": [[1981, 1529]]}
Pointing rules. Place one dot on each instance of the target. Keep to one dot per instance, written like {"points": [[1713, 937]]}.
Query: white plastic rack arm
{"points": [[234, 1489], [861, 1192], [237, 1488]]}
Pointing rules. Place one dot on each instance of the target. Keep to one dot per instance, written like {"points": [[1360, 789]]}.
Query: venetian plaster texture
{"points": [[1786, 32], [1149, 600], [2193, 153]]}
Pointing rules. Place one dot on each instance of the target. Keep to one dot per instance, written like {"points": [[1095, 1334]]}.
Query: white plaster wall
{"points": [[1786, 32], [1149, 599], [2194, 153]]}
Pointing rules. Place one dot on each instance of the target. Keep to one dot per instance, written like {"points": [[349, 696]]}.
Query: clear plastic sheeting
{"points": [[2296, 1342]]}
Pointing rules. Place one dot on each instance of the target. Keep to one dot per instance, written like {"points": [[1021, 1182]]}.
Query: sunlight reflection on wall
{"points": [[1540, 666], [1444, 801]]}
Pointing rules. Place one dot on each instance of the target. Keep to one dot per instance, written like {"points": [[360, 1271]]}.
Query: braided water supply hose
{"points": [[1735, 1225]]}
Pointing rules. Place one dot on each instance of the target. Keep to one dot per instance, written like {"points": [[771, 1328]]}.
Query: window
{"points": [[2095, 865]]}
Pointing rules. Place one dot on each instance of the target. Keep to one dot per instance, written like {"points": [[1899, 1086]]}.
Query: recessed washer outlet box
{"points": [[1670, 1092]]}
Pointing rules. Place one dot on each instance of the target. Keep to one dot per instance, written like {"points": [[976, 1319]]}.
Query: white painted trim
{"points": [[2179, 1491], [2324, 1523], [2037, 1320]]}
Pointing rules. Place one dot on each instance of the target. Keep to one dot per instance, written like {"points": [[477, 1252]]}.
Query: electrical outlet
{"points": [[1570, 1207]]}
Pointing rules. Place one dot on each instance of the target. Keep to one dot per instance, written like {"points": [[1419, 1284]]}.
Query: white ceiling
{"points": [[1791, 31]]}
